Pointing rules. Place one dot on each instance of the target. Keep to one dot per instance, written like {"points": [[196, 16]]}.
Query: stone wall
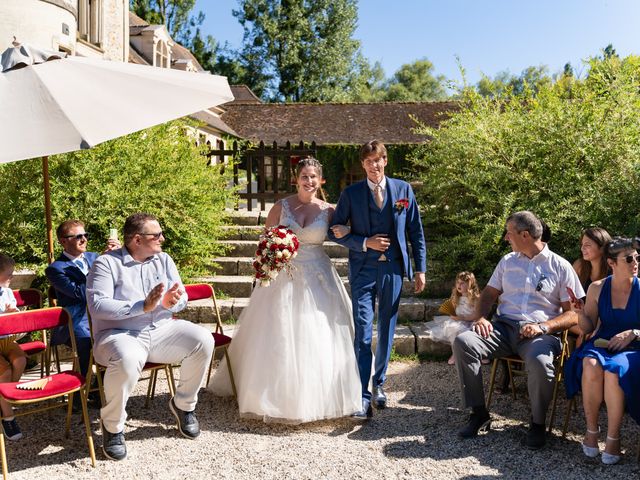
{"points": [[116, 30], [53, 25], [45, 24]]}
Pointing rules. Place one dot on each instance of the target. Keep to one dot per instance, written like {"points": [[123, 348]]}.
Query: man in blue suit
{"points": [[383, 215], [68, 276]]}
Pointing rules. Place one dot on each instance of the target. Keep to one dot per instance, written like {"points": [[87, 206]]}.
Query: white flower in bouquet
{"points": [[276, 247]]}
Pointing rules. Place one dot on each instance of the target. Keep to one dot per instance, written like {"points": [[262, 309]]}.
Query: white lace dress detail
{"points": [[292, 353]]}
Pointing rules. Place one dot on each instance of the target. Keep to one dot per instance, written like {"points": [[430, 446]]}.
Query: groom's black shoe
{"points": [[365, 413], [379, 398]]}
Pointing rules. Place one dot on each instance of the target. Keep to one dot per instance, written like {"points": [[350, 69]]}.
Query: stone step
{"points": [[247, 248], [252, 232], [244, 217], [244, 266], [409, 339], [239, 286], [200, 311], [242, 232]]}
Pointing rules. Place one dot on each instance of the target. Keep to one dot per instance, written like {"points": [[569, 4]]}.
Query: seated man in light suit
{"points": [[530, 284], [68, 276], [132, 295]]}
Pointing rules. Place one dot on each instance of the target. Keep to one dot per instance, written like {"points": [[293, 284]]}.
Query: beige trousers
{"points": [[124, 353]]}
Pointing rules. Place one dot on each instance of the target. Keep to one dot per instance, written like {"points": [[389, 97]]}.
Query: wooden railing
{"points": [[273, 169]]}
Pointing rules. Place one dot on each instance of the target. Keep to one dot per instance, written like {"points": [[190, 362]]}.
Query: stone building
{"points": [[89, 28], [153, 45]]}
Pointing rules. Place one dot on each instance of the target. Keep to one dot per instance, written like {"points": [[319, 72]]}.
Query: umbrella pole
{"points": [[47, 207]]}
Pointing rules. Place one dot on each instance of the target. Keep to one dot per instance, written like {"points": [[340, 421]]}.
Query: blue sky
{"points": [[489, 36]]}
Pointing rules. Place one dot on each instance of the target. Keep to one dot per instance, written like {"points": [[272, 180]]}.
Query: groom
{"points": [[382, 212]]}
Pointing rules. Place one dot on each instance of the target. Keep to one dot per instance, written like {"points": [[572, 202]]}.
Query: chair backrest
{"points": [[202, 291], [28, 297], [198, 291], [33, 320]]}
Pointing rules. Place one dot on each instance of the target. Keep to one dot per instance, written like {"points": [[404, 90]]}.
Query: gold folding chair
{"points": [[204, 291], [513, 360], [149, 367], [50, 389]]}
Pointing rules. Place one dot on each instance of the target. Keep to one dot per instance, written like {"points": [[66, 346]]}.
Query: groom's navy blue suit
{"points": [[371, 278]]}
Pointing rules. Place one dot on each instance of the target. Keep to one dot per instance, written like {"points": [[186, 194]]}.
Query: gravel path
{"points": [[412, 439]]}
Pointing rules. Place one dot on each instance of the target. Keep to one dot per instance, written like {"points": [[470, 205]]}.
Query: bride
{"points": [[292, 352]]}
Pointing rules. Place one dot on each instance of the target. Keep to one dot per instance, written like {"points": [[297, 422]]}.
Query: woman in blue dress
{"points": [[607, 367]]}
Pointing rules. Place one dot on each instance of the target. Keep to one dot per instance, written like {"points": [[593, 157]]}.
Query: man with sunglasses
{"points": [[531, 286], [68, 276], [133, 294]]}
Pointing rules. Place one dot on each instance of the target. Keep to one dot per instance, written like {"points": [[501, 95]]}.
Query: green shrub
{"points": [[159, 170], [571, 154]]}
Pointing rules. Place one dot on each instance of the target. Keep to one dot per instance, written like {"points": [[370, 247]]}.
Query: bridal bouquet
{"points": [[276, 247]]}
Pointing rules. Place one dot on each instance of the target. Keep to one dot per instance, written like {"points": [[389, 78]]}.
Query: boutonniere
{"points": [[401, 205]]}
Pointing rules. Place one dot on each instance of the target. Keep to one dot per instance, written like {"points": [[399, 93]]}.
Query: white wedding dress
{"points": [[292, 352]]}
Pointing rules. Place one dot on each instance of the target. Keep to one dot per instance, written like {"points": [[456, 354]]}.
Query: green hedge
{"points": [[159, 170], [571, 154]]}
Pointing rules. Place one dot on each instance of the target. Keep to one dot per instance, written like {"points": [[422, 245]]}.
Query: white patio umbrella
{"points": [[51, 104]]}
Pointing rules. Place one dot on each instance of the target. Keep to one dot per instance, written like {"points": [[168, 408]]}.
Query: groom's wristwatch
{"points": [[636, 333], [544, 328]]}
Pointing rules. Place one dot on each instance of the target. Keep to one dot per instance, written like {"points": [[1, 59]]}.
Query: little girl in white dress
{"points": [[461, 307]]}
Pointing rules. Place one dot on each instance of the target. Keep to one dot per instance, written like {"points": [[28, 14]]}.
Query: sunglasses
{"points": [[78, 237], [156, 236], [631, 258], [540, 282]]}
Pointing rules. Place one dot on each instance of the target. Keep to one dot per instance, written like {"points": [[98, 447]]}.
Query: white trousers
{"points": [[124, 353]]}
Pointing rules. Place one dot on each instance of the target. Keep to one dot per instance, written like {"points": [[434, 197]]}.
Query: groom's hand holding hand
{"points": [[379, 242]]}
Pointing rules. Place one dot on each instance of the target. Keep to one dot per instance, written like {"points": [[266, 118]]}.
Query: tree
{"points": [[609, 51], [496, 86], [370, 84], [183, 27], [416, 82], [567, 71], [532, 78], [573, 161], [302, 50], [174, 14]]}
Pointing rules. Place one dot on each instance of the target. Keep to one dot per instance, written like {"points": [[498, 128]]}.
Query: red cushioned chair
{"points": [[150, 368], [30, 298], [204, 291], [58, 386]]}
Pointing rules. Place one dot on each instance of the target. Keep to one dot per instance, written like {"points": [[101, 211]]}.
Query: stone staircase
{"points": [[232, 277]]}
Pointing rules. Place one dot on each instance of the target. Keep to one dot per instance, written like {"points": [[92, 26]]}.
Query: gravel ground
{"points": [[413, 438]]}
